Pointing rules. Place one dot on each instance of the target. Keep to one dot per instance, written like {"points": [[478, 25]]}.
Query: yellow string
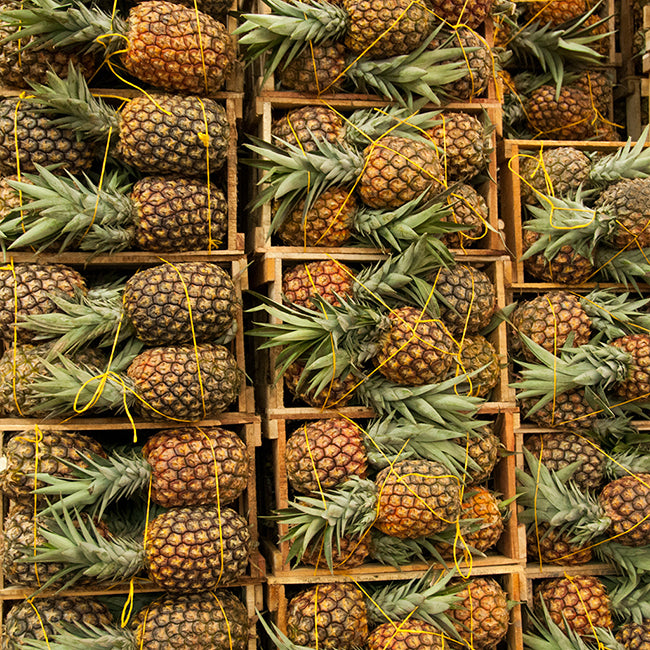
{"points": [[40, 620], [128, 605], [225, 617], [205, 139]]}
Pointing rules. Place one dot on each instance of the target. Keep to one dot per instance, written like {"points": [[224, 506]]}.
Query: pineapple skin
{"points": [[164, 48], [38, 142], [339, 610], [327, 279], [192, 622], [197, 548], [627, 502], [186, 462], [475, 352], [329, 450], [405, 635], [305, 127], [172, 214], [156, 302], [166, 135]]}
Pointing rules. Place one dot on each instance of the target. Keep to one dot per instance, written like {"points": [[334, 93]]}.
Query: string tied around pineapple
{"points": [[30, 600], [225, 618]]}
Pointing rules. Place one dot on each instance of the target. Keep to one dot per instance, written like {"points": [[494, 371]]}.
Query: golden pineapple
{"points": [[416, 349], [556, 12], [350, 552], [483, 449], [335, 395], [637, 383], [402, 635], [469, 208], [569, 410], [475, 352], [550, 546], [328, 279], [319, 70], [470, 13], [305, 127], [626, 501]]}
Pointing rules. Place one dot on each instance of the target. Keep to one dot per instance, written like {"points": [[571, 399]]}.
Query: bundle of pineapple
{"points": [[402, 174], [199, 621], [166, 45], [428, 499], [435, 611], [587, 217], [586, 612], [62, 528], [402, 335], [581, 359], [400, 50], [440, 200], [188, 311]]}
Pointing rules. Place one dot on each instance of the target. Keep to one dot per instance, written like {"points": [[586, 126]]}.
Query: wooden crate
{"points": [[120, 432], [509, 549], [250, 594], [259, 233], [226, 178], [510, 152], [128, 263], [279, 592], [272, 88], [272, 396]]}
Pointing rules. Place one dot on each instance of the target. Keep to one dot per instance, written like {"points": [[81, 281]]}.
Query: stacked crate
{"points": [[524, 285], [239, 418], [283, 414]]}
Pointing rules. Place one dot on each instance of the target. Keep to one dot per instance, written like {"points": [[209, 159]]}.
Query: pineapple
{"points": [[556, 12], [478, 360], [468, 208], [482, 615], [548, 545], [482, 450], [464, 144], [180, 124], [166, 304], [552, 320], [155, 214], [172, 47], [579, 602], [28, 138], [572, 409], [349, 553], [158, 383], [22, 62], [41, 619], [45, 452], [468, 14], [31, 288], [184, 621], [319, 69], [412, 634], [187, 549], [618, 511], [338, 615], [179, 467], [329, 279]]}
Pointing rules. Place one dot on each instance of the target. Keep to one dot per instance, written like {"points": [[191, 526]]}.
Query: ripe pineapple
{"points": [[188, 549], [637, 381], [155, 214], [305, 127], [482, 449], [179, 467], [22, 61], [548, 545], [581, 601], [469, 208], [32, 288], [328, 279], [337, 393], [556, 12], [45, 452], [170, 46], [482, 615], [464, 144], [469, 14], [416, 349], [28, 138], [338, 615], [180, 123], [349, 553], [634, 636], [158, 383], [184, 621], [571, 409], [42, 618], [627, 200], [165, 304], [551, 320], [319, 69], [412, 634]]}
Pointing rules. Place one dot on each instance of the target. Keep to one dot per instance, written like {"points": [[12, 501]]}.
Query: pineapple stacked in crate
{"points": [[560, 62], [122, 323], [576, 221], [379, 219]]}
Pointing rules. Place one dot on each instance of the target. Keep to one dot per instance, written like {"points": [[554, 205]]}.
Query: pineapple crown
{"points": [[72, 105], [552, 47], [75, 541], [66, 385], [65, 208], [389, 439], [614, 315], [64, 24], [550, 636], [93, 317], [626, 162], [623, 267], [100, 482], [350, 509], [278, 638], [594, 367], [630, 560], [629, 597], [288, 28], [552, 498], [80, 636]]}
